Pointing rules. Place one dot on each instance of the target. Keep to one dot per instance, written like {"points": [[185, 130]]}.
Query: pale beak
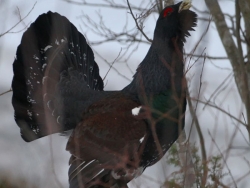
{"points": [[185, 5]]}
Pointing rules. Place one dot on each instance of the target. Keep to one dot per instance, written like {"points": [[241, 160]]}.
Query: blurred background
{"points": [[44, 162]]}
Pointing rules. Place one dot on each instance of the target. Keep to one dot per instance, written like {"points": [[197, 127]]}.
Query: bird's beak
{"points": [[185, 5]]}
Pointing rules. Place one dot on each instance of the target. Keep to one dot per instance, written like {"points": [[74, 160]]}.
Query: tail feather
{"points": [[53, 63], [92, 174]]}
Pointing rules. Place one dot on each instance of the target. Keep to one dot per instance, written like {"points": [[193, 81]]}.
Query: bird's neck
{"points": [[161, 68]]}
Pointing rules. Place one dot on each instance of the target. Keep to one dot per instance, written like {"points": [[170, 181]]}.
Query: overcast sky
{"points": [[38, 160]]}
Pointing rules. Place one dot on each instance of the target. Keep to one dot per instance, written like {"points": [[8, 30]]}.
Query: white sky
{"points": [[34, 160]]}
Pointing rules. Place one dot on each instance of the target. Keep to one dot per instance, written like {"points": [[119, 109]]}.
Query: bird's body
{"points": [[57, 87]]}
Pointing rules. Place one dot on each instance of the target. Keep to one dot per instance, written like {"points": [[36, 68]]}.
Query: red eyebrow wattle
{"points": [[168, 10]]}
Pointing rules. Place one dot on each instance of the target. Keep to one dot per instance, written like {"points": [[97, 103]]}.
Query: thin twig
{"points": [[110, 5], [8, 31], [224, 160], [202, 142], [222, 110], [5, 92], [137, 25], [52, 162], [117, 71], [207, 56], [111, 65]]}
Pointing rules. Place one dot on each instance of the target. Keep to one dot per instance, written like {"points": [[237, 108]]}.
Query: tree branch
{"points": [[137, 25], [21, 19]]}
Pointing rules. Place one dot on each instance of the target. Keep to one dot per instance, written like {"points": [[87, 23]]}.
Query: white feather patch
{"points": [[136, 110], [47, 47], [142, 138]]}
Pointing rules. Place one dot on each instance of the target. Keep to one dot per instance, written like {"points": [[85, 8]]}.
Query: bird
{"points": [[113, 135]]}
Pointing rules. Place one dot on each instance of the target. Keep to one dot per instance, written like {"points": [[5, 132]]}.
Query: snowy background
{"points": [[44, 162]]}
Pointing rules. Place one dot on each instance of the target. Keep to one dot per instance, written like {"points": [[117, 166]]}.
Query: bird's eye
{"points": [[168, 11]]}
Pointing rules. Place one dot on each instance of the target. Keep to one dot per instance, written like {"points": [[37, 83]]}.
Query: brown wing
{"points": [[105, 144]]}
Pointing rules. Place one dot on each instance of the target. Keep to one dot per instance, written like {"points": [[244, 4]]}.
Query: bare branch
{"points": [[220, 109], [137, 25], [207, 56], [117, 71], [226, 38], [111, 65], [224, 160], [198, 128], [245, 10], [108, 5], [5, 92], [21, 19]]}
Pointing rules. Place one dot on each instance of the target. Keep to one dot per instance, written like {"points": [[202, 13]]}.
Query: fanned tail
{"points": [[55, 75]]}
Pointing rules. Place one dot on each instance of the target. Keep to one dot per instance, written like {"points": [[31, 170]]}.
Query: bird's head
{"points": [[175, 21]]}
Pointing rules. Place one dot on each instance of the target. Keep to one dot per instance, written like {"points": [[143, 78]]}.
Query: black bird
{"points": [[116, 134]]}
